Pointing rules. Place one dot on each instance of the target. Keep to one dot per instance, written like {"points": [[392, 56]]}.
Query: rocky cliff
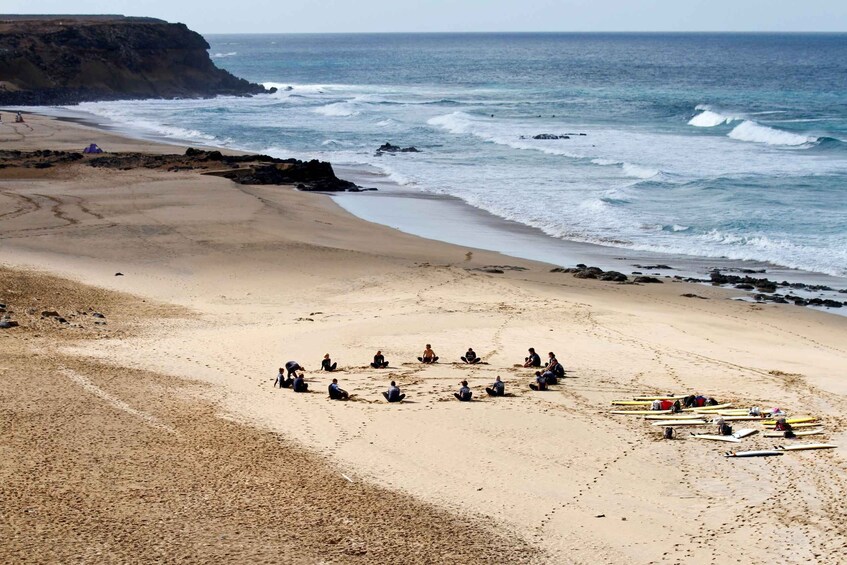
{"points": [[46, 60]]}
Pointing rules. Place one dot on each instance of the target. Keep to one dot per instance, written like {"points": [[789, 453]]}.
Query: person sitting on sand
{"points": [[498, 388], [554, 366], [379, 361], [393, 394], [428, 356], [534, 360], [281, 381], [327, 364], [540, 381], [336, 392], [470, 357], [300, 385], [464, 394], [19, 119], [549, 377], [292, 367]]}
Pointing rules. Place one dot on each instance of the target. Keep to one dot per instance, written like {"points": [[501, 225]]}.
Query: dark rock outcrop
{"points": [[389, 148], [49, 60]]}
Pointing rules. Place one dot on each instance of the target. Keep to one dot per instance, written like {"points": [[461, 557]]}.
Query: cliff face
{"points": [[70, 59]]}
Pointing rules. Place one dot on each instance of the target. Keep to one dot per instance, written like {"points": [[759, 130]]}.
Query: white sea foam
{"points": [[223, 55], [757, 133], [338, 110], [629, 169], [710, 119]]}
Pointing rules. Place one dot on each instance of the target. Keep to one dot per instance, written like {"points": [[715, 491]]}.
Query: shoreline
{"points": [[473, 227], [272, 274]]}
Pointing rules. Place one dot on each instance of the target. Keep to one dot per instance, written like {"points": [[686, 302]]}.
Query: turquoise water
{"points": [[713, 145]]}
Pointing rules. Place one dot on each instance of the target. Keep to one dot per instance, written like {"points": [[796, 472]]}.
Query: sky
{"points": [[333, 16]]}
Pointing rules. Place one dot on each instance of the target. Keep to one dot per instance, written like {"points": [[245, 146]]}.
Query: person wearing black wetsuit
{"points": [[292, 367], [327, 364], [496, 389], [379, 361], [534, 360], [300, 384], [336, 392], [281, 381], [470, 357], [393, 394]]}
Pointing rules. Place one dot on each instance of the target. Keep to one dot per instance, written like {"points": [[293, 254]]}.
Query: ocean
{"points": [[714, 146]]}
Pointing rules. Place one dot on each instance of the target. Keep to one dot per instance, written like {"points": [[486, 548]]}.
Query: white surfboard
{"points": [[797, 434], [759, 453], [681, 423], [713, 437], [744, 433], [806, 446], [638, 412]]}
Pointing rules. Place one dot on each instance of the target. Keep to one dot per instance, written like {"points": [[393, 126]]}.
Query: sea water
{"points": [[708, 145]]}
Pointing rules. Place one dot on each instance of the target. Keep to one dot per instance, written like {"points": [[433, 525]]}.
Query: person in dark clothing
{"points": [[379, 361], [554, 366], [470, 357], [393, 394], [281, 381], [428, 356], [464, 394], [300, 384], [292, 367], [534, 360], [549, 377], [540, 381], [327, 364], [496, 389], [336, 392]]}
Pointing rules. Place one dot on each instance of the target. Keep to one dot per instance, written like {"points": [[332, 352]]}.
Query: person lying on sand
{"points": [[464, 394], [379, 361], [393, 394], [281, 381], [336, 392], [540, 381], [327, 364], [534, 360], [428, 356], [470, 357], [300, 384], [292, 367], [498, 388]]}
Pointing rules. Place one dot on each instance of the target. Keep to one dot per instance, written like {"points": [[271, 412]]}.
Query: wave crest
{"points": [[757, 133]]}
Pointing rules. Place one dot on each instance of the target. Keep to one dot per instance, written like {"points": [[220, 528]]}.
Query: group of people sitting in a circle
{"points": [[289, 377]]}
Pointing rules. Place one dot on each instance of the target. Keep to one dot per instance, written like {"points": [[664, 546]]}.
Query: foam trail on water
{"points": [[710, 119]]}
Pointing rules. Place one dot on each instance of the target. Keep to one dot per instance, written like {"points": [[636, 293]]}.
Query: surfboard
{"points": [[737, 418], [798, 434], [680, 423], [797, 420], [666, 416], [652, 398], [735, 412], [745, 432], [631, 402], [715, 407], [638, 412], [717, 438], [801, 426], [806, 446], [760, 453]]}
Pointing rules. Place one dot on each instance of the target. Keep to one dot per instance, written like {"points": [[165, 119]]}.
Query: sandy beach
{"points": [[158, 435]]}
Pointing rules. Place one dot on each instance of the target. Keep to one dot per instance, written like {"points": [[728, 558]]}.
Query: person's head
{"points": [[326, 356], [379, 352], [464, 383], [470, 348], [551, 355], [428, 346], [335, 381], [393, 383], [498, 378], [280, 369], [532, 350]]}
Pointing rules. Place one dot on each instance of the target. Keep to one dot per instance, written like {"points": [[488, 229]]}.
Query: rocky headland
{"points": [[53, 60]]}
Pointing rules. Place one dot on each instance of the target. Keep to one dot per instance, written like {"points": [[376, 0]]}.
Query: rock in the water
{"points": [[550, 136], [389, 148]]}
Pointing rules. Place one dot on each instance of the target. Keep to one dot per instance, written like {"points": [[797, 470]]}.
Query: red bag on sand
{"points": [[667, 404]]}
